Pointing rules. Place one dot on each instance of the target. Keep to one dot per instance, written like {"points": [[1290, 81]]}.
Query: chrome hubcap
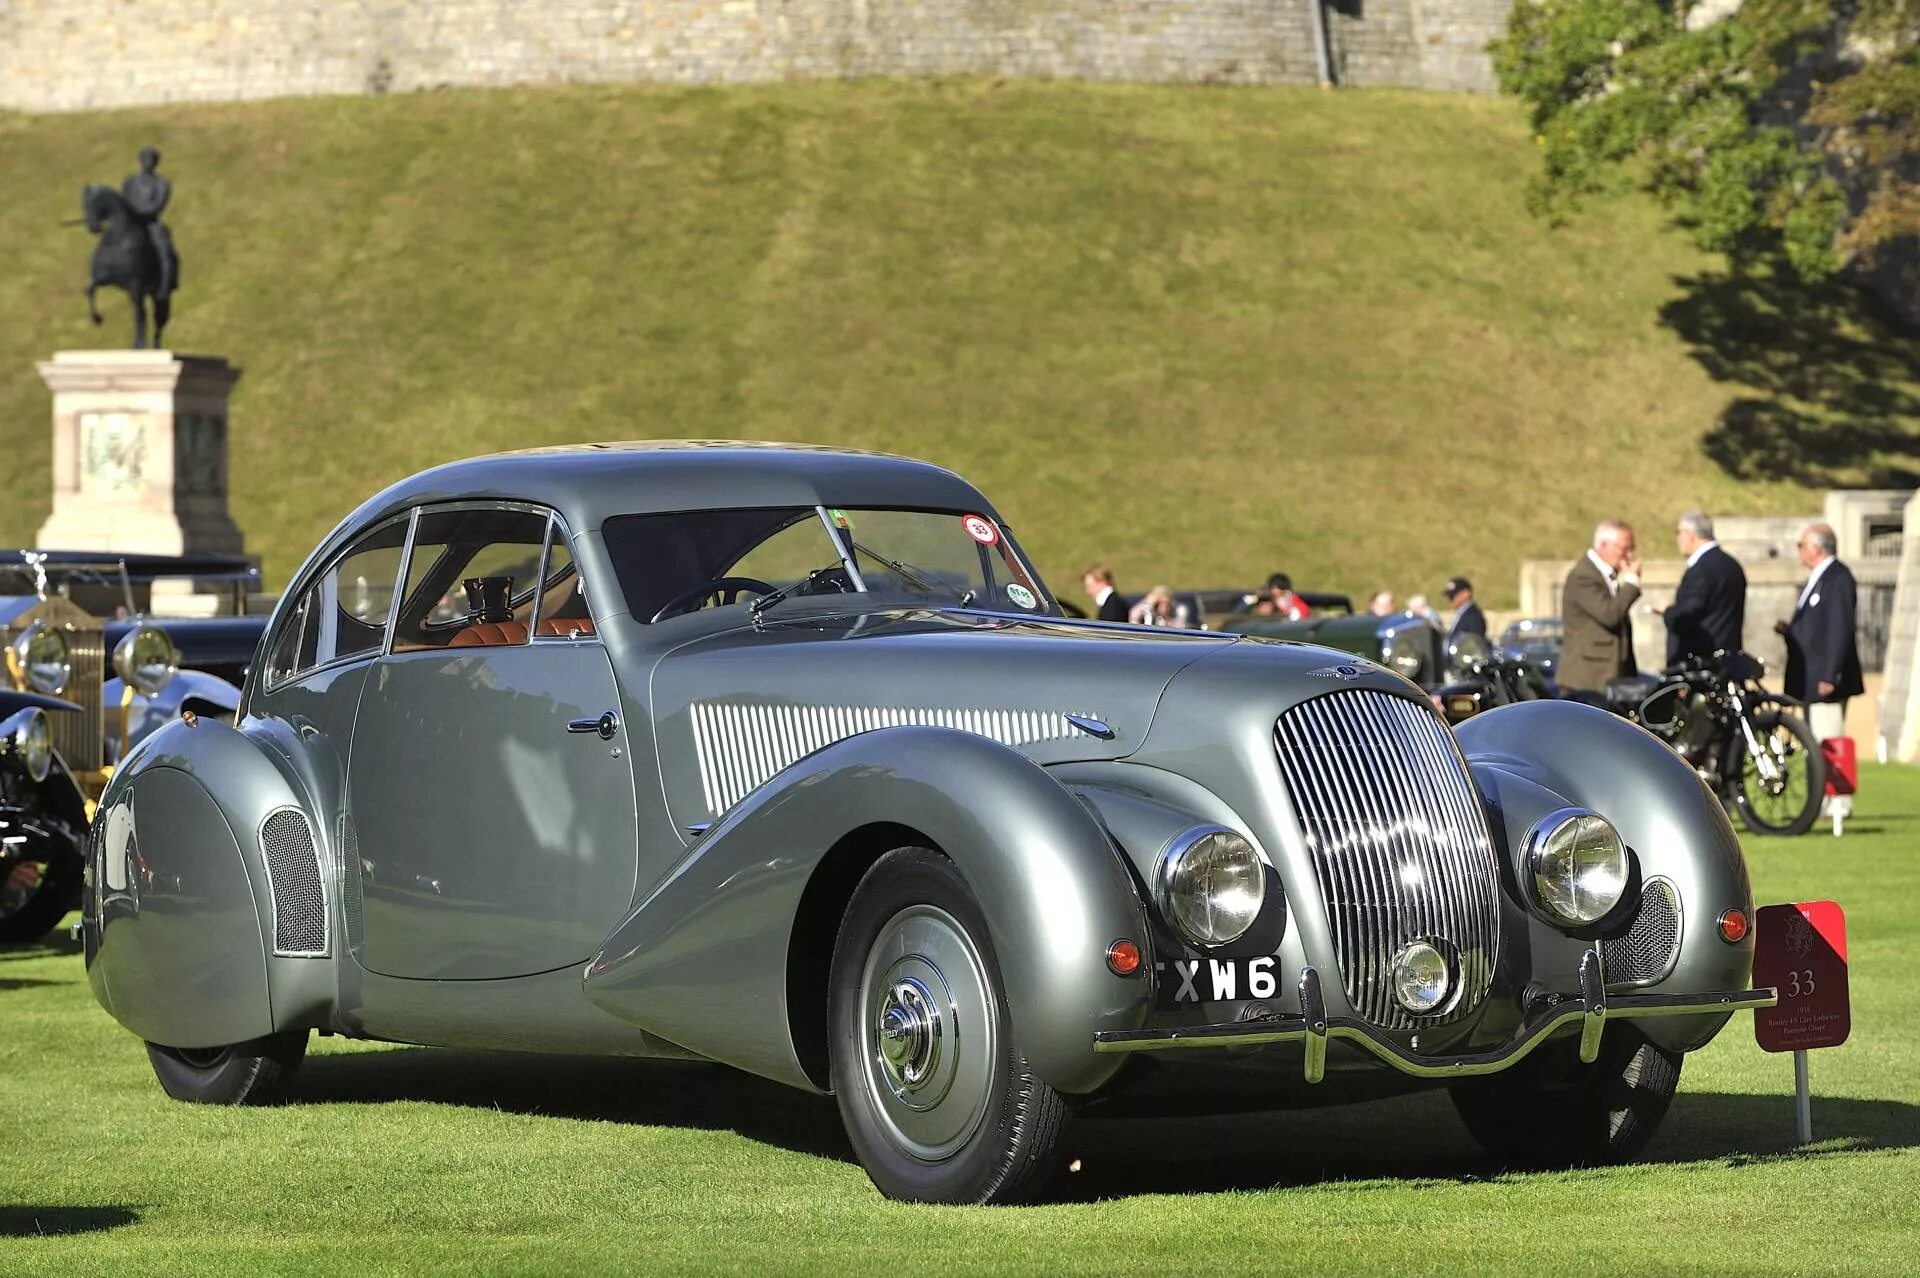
{"points": [[929, 1024]]}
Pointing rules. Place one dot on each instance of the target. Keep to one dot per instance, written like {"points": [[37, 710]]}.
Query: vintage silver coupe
{"points": [[784, 758]]}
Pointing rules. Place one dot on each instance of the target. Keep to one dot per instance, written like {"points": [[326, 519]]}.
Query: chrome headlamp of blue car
{"points": [[41, 659]]}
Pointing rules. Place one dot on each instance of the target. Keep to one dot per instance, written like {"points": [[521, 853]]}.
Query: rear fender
{"points": [[184, 945], [716, 957], [1531, 757]]}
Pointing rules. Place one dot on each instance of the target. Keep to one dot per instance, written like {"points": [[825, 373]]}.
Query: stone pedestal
{"points": [[140, 453]]}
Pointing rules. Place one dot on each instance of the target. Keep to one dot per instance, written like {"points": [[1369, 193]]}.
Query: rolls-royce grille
{"points": [[299, 902], [1647, 951], [1399, 843], [78, 736]]}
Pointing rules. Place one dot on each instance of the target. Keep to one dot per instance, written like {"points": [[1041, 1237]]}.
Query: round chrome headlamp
{"points": [[1578, 866], [1422, 978], [1401, 657], [1212, 884], [145, 659], [40, 657], [1467, 651], [32, 740]]}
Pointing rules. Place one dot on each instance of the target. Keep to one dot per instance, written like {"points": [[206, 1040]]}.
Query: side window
{"points": [[344, 612], [472, 580], [563, 593]]}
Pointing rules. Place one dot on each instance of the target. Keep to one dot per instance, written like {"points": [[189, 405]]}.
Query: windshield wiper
{"points": [[926, 584], [767, 601]]}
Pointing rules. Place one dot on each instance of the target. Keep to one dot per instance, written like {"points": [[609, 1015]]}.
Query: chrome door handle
{"points": [[606, 725]]}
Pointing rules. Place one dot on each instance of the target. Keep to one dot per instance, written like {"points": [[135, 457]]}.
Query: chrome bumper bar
{"points": [[1314, 1027]]}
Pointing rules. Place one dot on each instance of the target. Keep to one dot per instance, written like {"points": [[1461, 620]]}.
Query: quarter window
{"points": [[344, 612], [471, 578]]}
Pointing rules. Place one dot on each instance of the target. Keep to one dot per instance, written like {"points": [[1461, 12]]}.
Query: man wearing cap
{"points": [[1467, 617]]}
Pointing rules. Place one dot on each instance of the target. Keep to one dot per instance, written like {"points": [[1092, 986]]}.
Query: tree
{"points": [[1776, 130]]}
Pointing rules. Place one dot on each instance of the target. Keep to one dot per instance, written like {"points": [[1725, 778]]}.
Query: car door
{"points": [[492, 800]]}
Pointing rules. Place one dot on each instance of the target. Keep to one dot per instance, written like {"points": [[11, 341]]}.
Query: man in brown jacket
{"points": [[1595, 610]]}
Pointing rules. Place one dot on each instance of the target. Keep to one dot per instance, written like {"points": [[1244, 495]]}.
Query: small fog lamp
{"points": [[1422, 980], [31, 738]]}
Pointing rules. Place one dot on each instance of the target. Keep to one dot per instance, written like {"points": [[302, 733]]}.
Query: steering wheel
{"points": [[724, 590]]}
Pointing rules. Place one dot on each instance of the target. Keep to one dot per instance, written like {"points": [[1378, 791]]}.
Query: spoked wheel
{"points": [[1553, 1111], [1781, 795], [938, 1101], [252, 1073], [37, 888]]}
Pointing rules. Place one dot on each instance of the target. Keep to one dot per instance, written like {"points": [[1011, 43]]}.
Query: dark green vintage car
{"points": [[1404, 642]]}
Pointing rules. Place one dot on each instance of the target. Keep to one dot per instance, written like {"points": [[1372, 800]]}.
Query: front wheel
{"points": [[1553, 1111], [252, 1073], [937, 1099], [1780, 795]]}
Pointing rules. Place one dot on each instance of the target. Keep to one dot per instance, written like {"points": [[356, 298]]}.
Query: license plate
{"points": [[1216, 980]]}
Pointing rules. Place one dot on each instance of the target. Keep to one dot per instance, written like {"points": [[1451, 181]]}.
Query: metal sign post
{"points": [[1801, 950]]}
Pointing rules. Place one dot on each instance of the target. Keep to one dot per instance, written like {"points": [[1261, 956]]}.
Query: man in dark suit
{"points": [[1823, 656], [1467, 617], [1596, 606], [1710, 604], [1098, 583]]}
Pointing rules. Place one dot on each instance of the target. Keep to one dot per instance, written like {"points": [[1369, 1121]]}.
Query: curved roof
{"points": [[589, 483]]}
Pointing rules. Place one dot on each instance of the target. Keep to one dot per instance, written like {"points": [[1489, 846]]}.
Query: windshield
{"points": [[677, 563]]}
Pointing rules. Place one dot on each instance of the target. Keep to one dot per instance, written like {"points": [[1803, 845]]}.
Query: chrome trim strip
{"points": [[1592, 1008]]}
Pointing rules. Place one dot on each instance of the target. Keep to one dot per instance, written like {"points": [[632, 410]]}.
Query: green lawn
{"points": [[1202, 334], [398, 1159]]}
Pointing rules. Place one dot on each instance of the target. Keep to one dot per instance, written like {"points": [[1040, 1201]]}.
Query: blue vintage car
{"points": [[785, 758], [65, 617]]}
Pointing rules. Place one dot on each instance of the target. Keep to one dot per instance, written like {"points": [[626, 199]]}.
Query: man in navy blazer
{"points": [[1710, 604], [1823, 658], [1467, 617]]}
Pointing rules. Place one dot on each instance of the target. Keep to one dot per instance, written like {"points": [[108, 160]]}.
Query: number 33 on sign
{"points": [[1801, 950]]}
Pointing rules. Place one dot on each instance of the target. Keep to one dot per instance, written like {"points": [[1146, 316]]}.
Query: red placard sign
{"points": [[1801, 950]]}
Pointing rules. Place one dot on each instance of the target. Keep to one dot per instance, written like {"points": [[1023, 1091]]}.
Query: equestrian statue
{"points": [[135, 251]]}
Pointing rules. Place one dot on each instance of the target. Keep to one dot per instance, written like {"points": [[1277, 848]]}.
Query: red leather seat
{"points": [[565, 627]]}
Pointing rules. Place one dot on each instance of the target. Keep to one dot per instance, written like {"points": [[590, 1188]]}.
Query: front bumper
{"points": [[1314, 1027]]}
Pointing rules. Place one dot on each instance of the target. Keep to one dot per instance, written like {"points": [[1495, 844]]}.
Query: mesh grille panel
{"points": [[1649, 949], [299, 902], [1399, 843]]}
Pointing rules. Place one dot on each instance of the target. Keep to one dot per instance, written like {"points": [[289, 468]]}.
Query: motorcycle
{"points": [[1483, 677], [1752, 747]]}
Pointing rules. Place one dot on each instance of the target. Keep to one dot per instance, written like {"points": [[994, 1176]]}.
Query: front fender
{"points": [[182, 938], [704, 959], [1528, 758]]}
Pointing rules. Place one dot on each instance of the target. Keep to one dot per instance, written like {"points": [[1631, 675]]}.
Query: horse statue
{"points": [[131, 257]]}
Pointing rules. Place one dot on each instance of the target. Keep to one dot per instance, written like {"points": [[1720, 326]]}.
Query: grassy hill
{"points": [[1201, 334]]}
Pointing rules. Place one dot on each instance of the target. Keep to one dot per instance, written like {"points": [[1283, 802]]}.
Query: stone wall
{"points": [[59, 55]]}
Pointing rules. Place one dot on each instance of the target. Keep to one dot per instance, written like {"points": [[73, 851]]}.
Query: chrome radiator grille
{"points": [[78, 736], [1399, 843]]}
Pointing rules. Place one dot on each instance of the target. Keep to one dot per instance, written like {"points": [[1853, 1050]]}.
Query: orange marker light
{"points": [[1733, 926], [1123, 957]]}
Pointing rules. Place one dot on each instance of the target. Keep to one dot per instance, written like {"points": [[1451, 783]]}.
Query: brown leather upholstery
{"points": [[491, 634], [502, 634]]}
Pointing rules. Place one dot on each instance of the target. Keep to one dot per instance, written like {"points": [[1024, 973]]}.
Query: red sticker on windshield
{"points": [[981, 529]]}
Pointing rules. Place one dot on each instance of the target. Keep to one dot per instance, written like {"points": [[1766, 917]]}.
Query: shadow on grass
{"points": [[644, 1092], [1406, 1138], [33, 1222], [1832, 395], [50, 946], [26, 984]]}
